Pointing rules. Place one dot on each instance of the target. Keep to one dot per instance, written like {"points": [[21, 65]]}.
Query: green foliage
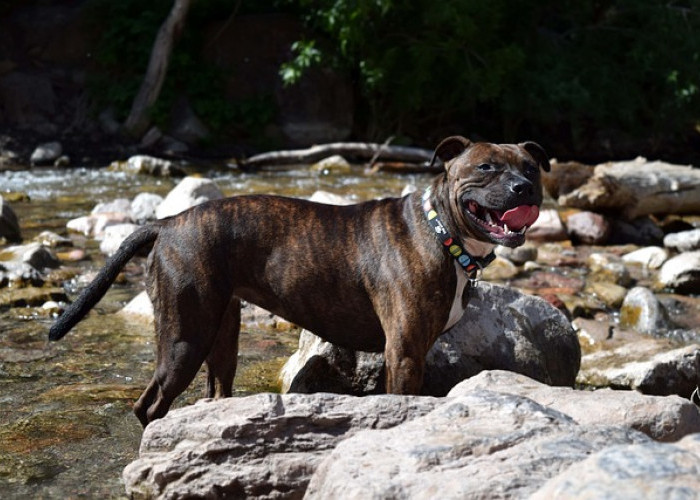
{"points": [[568, 68]]}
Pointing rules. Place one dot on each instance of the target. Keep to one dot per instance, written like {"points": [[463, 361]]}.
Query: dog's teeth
{"points": [[488, 218], [505, 226]]}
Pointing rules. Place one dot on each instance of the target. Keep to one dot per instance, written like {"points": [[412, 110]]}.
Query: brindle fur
{"points": [[366, 277]]}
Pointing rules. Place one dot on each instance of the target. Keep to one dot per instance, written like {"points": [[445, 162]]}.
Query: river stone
{"points": [[335, 164], [189, 192], [330, 198], [94, 225], [651, 257], [35, 255], [260, 446], [479, 445], [547, 227], [149, 165], [143, 207], [682, 273], [502, 328], [684, 241], [9, 225], [610, 294], [621, 472], [588, 228], [500, 269], [518, 255], [642, 231], [642, 311], [650, 366], [608, 268], [46, 154], [663, 418], [117, 206], [114, 236]]}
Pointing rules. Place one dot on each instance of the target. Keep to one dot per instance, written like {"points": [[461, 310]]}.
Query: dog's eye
{"points": [[531, 170], [485, 167]]}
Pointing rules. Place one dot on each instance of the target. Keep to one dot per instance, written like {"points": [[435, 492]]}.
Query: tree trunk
{"points": [[138, 120]]}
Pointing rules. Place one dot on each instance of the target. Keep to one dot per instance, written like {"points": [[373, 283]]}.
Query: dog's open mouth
{"points": [[503, 224]]}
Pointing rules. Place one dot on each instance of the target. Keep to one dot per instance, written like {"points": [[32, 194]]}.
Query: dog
{"points": [[385, 275]]}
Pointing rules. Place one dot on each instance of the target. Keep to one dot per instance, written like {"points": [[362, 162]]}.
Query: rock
{"points": [[640, 231], [149, 165], [650, 257], [648, 365], [479, 445], [519, 255], [608, 268], [31, 296], [33, 254], [638, 187], [588, 228], [94, 225], [335, 164], [501, 329], [330, 198], [260, 446], [118, 206], [143, 207], [52, 240], [139, 307], [663, 418], [650, 470], [189, 192], [682, 273], [642, 311], [321, 366], [592, 333], [610, 294], [46, 154], [500, 269], [9, 225], [684, 241], [114, 236], [150, 139], [547, 227]]}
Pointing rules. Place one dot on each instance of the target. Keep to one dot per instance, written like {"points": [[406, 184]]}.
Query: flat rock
{"points": [[479, 445], [646, 365], [261, 446], [651, 257], [663, 418], [621, 472]]}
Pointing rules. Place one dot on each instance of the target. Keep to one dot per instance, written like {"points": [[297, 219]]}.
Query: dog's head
{"points": [[494, 189]]}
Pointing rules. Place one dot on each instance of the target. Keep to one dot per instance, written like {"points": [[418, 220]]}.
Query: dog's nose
{"points": [[522, 187]]}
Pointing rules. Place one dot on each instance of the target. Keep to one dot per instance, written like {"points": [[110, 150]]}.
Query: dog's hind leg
{"points": [[185, 339], [223, 357]]}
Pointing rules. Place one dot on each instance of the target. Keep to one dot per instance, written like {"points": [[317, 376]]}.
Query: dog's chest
{"points": [[458, 303]]}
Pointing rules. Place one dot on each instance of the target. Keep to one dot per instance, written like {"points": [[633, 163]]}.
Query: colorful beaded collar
{"points": [[469, 263]]}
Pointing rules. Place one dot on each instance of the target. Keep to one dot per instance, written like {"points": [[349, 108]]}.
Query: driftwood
{"points": [[639, 187], [352, 151]]}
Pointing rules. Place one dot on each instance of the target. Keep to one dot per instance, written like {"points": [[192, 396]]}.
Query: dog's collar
{"points": [[469, 263]]}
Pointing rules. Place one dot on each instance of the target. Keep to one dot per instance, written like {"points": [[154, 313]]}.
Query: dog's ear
{"points": [[450, 148], [538, 153]]}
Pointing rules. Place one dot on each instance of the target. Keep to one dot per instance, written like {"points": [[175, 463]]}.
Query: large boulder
{"points": [[501, 329], [507, 441], [189, 192]]}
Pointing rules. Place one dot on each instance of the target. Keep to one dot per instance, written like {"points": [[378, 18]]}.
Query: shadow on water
{"points": [[67, 428]]}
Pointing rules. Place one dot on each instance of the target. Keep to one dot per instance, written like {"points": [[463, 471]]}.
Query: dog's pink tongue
{"points": [[519, 217]]}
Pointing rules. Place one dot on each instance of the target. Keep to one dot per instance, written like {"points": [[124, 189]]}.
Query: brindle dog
{"points": [[385, 275]]}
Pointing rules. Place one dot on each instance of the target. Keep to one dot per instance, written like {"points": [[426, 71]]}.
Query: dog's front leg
{"points": [[404, 359]]}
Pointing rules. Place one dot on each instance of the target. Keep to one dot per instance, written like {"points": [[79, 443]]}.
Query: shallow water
{"points": [[66, 429]]}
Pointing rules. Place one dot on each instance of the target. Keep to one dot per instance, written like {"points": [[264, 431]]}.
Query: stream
{"points": [[67, 428]]}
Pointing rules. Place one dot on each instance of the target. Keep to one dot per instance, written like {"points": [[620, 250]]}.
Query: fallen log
{"points": [[352, 151], [638, 187]]}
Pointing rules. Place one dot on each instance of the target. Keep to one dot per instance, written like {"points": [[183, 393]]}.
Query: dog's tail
{"points": [[92, 294]]}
